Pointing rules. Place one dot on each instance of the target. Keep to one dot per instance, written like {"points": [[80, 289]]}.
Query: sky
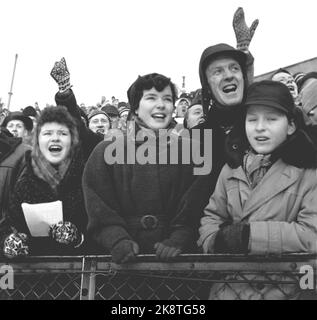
{"points": [[107, 44]]}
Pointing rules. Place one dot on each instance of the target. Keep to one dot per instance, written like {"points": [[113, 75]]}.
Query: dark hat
{"points": [[271, 94], [110, 110], [28, 123], [95, 112], [29, 111]]}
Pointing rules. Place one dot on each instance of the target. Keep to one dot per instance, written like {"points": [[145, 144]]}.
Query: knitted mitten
{"points": [[243, 33], [15, 245], [65, 233], [60, 74]]}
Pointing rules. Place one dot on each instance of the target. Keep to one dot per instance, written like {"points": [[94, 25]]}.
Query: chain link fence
{"points": [[189, 277]]}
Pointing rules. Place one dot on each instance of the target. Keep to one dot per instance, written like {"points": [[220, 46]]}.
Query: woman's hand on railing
{"points": [[166, 250], [66, 233], [15, 245]]}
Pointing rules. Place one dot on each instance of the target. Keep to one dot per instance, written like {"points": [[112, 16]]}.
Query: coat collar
{"points": [[280, 177]]}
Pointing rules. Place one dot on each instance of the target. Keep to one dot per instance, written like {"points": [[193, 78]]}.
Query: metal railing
{"points": [[188, 277]]}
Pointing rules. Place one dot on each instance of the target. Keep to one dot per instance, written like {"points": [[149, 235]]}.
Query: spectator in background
{"points": [[123, 113], [99, 122], [12, 152], [308, 98], [285, 77], [19, 125], [30, 112], [113, 114], [181, 105], [195, 113], [306, 80]]}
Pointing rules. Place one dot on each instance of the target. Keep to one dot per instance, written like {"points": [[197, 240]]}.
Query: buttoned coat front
{"points": [[281, 211]]}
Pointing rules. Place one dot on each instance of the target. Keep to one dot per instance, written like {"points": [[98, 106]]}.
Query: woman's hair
{"points": [[147, 82], [59, 115]]}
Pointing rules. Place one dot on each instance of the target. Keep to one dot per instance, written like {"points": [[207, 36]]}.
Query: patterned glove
{"points": [[243, 33], [124, 251], [233, 238], [15, 245], [65, 233], [60, 74]]}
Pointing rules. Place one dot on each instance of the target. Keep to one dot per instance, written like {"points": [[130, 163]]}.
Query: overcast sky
{"points": [[107, 44]]}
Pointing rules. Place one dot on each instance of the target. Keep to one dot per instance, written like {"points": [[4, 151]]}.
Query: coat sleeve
{"points": [[215, 213], [105, 225], [88, 138], [277, 237], [250, 67]]}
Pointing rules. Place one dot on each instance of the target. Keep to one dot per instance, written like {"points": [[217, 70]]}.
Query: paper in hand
{"points": [[39, 217]]}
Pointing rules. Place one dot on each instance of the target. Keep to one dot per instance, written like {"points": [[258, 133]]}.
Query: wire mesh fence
{"points": [[189, 277]]}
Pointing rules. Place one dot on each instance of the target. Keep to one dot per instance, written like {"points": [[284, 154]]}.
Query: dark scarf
{"points": [[45, 171], [224, 117]]}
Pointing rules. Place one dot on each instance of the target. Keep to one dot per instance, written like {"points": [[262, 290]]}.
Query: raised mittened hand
{"points": [[61, 75], [243, 33], [15, 245]]}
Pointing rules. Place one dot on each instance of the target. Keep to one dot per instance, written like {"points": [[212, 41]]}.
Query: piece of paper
{"points": [[39, 217]]}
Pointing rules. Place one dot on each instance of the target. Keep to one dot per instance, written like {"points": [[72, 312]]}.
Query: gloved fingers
{"points": [[159, 249], [253, 27], [128, 258], [165, 252], [135, 248], [238, 15]]}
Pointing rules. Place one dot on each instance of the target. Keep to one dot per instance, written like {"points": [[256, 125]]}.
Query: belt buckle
{"points": [[149, 222]]}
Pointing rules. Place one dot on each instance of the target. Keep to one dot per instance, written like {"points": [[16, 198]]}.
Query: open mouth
{"points": [[101, 130], [261, 139], [229, 88], [159, 116], [55, 148]]}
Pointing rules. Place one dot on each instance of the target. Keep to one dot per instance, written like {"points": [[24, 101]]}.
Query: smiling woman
{"points": [[51, 180]]}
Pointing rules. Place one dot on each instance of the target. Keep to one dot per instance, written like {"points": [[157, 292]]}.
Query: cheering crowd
{"points": [[60, 194]]}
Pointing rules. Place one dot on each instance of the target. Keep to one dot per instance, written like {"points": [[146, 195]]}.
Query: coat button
{"points": [[234, 146]]}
